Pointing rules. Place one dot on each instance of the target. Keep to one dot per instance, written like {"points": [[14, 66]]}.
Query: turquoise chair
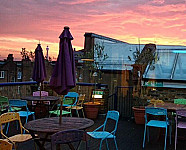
{"points": [[156, 123], [103, 134], [20, 104]]}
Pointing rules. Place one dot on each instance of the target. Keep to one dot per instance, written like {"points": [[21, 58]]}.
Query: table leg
{"points": [[43, 143], [41, 110], [71, 146], [36, 140]]}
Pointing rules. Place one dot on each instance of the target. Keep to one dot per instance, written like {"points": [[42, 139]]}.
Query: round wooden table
{"points": [[40, 108], [49, 126]]}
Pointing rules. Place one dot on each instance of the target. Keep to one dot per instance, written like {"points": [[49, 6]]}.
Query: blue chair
{"points": [[154, 111], [103, 134], [21, 104]]}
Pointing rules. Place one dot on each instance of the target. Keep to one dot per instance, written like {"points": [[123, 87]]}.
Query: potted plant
{"points": [[91, 109], [95, 66], [142, 59], [138, 108]]}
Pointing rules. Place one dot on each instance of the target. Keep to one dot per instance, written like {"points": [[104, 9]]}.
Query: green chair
{"points": [[4, 104], [68, 101]]}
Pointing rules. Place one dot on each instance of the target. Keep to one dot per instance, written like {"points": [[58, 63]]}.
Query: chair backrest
{"points": [[18, 103], [73, 95], [180, 101], [43, 93], [181, 112], [156, 111], [5, 145], [114, 115], [81, 99], [66, 136], [9, 117]]}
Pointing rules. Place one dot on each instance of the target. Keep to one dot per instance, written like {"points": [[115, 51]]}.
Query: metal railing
{"points": [[22, 89], [120, 100]]}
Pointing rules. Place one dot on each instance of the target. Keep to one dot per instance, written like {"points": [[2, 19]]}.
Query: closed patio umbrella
{"points": [[39, 71], [63, 77]]}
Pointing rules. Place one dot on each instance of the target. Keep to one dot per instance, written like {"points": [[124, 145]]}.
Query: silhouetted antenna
{"points": [[47, 49]]}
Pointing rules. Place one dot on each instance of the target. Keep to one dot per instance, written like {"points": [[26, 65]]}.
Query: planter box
{"points": [[91, 109], [139, 114]]}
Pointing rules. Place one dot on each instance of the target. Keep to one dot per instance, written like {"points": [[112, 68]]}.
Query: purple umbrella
{"points": [[39, 72], [63, 77]]}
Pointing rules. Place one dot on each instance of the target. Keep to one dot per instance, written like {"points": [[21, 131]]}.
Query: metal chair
{"points": [[180, 122], [79, 105], [156, 123], [5, 145], [3, 104], [103, 134], [21, 104], [43, 93], [180, 101], [68, 102], [68, 137], [18, 138], [70, 95]]}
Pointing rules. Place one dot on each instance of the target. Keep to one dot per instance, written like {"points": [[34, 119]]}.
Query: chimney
{"points": [[10, 57]]}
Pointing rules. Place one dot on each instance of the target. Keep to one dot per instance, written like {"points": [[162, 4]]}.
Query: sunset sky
{"points": [[23, 23]]}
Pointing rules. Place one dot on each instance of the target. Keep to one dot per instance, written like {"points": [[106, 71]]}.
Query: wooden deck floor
{"points": [[129, 137]]}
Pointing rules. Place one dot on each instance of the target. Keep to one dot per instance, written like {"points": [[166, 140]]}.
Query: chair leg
{"points": [[7, 128], [83, 113], [176, 136], [17, 124], [144, 136], [170, 131], [107, 144], [100, 144], [77, 113], [148, 134], [165, 139], [33, 117], [115, 143]]}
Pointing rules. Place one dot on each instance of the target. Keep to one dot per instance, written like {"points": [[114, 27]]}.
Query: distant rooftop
{"points": [[103, 37]]}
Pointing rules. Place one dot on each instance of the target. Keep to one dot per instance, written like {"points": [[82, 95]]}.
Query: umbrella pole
{"points": [[40, 89], [61, 106]]}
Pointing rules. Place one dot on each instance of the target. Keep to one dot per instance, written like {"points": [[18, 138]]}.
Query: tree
{"points": [[27, 54], [95, 58]]}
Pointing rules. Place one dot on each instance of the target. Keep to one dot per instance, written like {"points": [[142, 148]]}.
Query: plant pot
{"points": [[139, 114], [91, 109]]}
